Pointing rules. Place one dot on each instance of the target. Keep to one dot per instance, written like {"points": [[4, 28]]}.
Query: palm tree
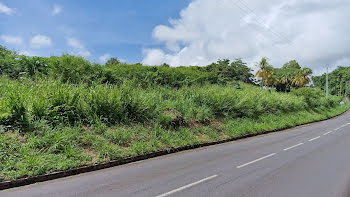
{"points": [[302, 78], [286, 79], [271, 79], [263, 70]]}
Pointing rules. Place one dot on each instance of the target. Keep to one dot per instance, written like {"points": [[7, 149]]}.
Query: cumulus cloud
{"points": [[79, 48], [40, 41], [6, 10], [154, 57], [56, 10], [14, 40], [314, 32], [103, 59]]}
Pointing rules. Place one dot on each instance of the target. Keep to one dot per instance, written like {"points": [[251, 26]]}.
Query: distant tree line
{"points": [[72, 69], [338, 81]]}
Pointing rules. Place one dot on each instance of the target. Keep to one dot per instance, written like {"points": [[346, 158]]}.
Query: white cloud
{"points": [[6, 10], [56, 10], [40, 41], [154, 56], [9, 39], [27, 53], [78, 47], [314, 32], [103, 59]]}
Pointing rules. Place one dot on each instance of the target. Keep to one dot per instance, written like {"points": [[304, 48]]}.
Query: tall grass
{"points": [[27, 101], [47, 125], [62, 112]]}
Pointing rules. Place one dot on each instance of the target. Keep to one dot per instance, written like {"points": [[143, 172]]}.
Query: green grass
{"points": [[49, 150], [62, 112], [23, 102], [48, 126]]}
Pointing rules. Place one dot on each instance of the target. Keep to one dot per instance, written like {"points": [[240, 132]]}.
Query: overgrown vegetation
{"points": [[339, 81], [62, 112]]}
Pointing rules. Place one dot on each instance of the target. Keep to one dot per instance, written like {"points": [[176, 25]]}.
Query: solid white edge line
{"points": [[310, 140], [329, 132], [267, 156], [187, 186], [293, 146]]}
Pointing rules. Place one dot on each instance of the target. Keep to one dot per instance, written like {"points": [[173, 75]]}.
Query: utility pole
{"points": [[346, 92], [327, 82], [346, 88]]}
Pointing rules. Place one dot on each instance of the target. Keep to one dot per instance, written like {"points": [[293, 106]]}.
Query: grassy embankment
{"points": [[47, 125]]}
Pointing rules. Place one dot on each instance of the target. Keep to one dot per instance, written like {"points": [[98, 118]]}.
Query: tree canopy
{"points": [[338, 81], [291, 74]]}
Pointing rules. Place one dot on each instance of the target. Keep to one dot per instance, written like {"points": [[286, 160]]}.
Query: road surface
{"points": [[312, 160]]}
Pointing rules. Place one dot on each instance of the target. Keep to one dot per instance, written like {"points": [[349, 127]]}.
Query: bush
{"points": [[315, 97], [24, 102]]}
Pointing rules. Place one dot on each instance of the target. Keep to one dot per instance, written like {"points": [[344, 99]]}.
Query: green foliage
{"points": [[62, 112], [291, 75], [112, 61], [48, 150], [26, 101], [146, 76], [338, 81], [71, 69], [283, 79], [315, 98], [235, 71], [16, 66], [291, 65]]}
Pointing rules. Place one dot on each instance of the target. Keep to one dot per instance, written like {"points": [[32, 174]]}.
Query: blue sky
{"points": [[117, 28], [315, 33]]}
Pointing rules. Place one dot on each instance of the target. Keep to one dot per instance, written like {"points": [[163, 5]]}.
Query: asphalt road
{"points": [[312, 160]]}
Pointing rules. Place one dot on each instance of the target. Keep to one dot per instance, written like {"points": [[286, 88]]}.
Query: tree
{"points": [[293, 64], [165, 65], [266, 73], [285, 82], [112, 61], [291, 75], [271, 79], [338, 81], [234, 71], [241, 71], [303, 77]]}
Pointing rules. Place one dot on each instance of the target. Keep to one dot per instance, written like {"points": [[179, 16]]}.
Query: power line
{"points": [[248, 10], [262, 22]]}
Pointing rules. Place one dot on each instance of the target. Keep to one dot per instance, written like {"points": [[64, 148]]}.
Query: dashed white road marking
{"points": [[293, 146], [267, 156], [328, 132], [187, 186], [243, 165], [341, 126], [315, 138]]}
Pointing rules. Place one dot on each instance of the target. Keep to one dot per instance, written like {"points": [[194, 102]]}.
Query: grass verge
{"points": [[48, 150]]}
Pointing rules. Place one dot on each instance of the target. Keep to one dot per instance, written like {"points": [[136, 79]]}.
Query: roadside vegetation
{"points": [[63, 112], [339, 81]]}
